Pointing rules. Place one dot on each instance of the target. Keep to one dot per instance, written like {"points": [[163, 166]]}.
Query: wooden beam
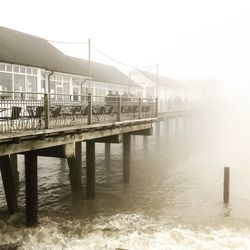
{"points": [[8, 184], [110, 139], [62, 151], [7, 147], [145, 132]]}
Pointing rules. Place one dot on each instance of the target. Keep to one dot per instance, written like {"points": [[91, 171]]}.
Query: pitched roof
{"points": [[164, 81], [24, 49], [103, 72]]}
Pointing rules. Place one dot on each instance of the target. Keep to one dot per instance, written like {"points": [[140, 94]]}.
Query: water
{"points": [[173, 200]]}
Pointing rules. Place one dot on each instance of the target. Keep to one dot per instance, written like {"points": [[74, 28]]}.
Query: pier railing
{"points": [[38, 111]]}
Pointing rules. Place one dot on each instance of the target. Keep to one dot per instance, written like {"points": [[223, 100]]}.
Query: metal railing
{"points": [[39, 111]]}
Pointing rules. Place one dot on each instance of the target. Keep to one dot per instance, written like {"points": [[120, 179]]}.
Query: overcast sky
{"points": [[188, 38]]}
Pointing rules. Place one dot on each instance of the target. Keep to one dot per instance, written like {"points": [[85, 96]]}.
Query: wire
{"points": [[124, 64], [52, 41]]}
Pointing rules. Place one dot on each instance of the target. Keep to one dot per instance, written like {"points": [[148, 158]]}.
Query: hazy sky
{"points": [[189, 38]]}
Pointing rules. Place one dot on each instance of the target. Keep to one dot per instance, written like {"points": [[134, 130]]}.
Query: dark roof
{"points": [[24, 49], [103, 72], [164, 81]]}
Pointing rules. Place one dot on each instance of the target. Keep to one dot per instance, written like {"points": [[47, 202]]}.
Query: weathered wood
{"points": [[31, 189], [110, 139], [126, 157], [62, 151], [75, 171], [9, 184], [90, 169], [52, 139], [226, 184], [107, 154], [144, 132], [13, 161]]}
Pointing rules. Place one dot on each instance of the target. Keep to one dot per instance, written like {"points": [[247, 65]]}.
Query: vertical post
{"points": [[226, 184], [90, 169], [145, 143], [8, 184], [156, 107], [75, 172], [158, 131], [13, 162], [46, 110], [119, 108], [90, 108], [140, 108], [89, 67], [31, 189], [126, 157], [107, 154]]}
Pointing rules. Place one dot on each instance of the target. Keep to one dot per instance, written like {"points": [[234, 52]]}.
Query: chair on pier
{"points": [[13, 119]]}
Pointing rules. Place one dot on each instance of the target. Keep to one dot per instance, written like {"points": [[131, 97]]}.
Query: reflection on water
{"points": [[173, 201]]}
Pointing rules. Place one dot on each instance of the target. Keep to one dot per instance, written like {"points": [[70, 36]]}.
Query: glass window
{"points": [[22, 69], [19, 83], [34, 71], [8, 67], [2, 66], [16, 69], [31, 83], [29, 71], [5, 81]]}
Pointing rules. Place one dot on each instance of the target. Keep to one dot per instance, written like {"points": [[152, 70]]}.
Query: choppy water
{"points": [[173, 201]]}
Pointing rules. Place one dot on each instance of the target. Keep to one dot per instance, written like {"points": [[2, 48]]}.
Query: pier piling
{"points": [[126, 157], [107, 154], [226, 184], [90, 169], [31, 189], [8, 184]]}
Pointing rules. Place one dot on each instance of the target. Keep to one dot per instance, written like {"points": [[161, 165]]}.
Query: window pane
{"points": [[19, 83], [16, 69], [2, 66], [28, 70], [34, 71], [31, 83], [22, 69], [5, 81], [8, 67]]}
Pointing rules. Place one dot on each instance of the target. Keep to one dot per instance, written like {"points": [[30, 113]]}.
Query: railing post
{"points": [[46, 110], [90, 108], [140, 108], [119, 108], [156, 107]]}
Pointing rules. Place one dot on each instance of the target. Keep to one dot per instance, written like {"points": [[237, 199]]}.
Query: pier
{"points": [[56, 127]]}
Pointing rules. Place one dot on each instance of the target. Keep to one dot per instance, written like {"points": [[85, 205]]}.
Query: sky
{"points": [[188, 38]]}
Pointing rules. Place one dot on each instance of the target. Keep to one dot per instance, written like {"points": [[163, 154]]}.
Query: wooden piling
{"points": [[145, 143], [107, 154], [31, 189], [75, 172], [90, 169], [8, 184], [226, 184], [13, 161], [126, 157]]}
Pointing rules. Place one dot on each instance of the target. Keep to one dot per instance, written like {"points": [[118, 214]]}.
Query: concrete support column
{"points": [[90, 169], [8, 184], [107, 154], [126, 157], [31, 189]]}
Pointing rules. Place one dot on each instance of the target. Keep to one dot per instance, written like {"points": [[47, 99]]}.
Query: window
{"points": [[5, 81], [8, 68], [19, 82], [16, 68], [2, 67], [31, 83], [22, 69]]}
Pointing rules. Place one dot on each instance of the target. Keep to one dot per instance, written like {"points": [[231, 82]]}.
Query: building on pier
{"points": [[27, 61]]}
